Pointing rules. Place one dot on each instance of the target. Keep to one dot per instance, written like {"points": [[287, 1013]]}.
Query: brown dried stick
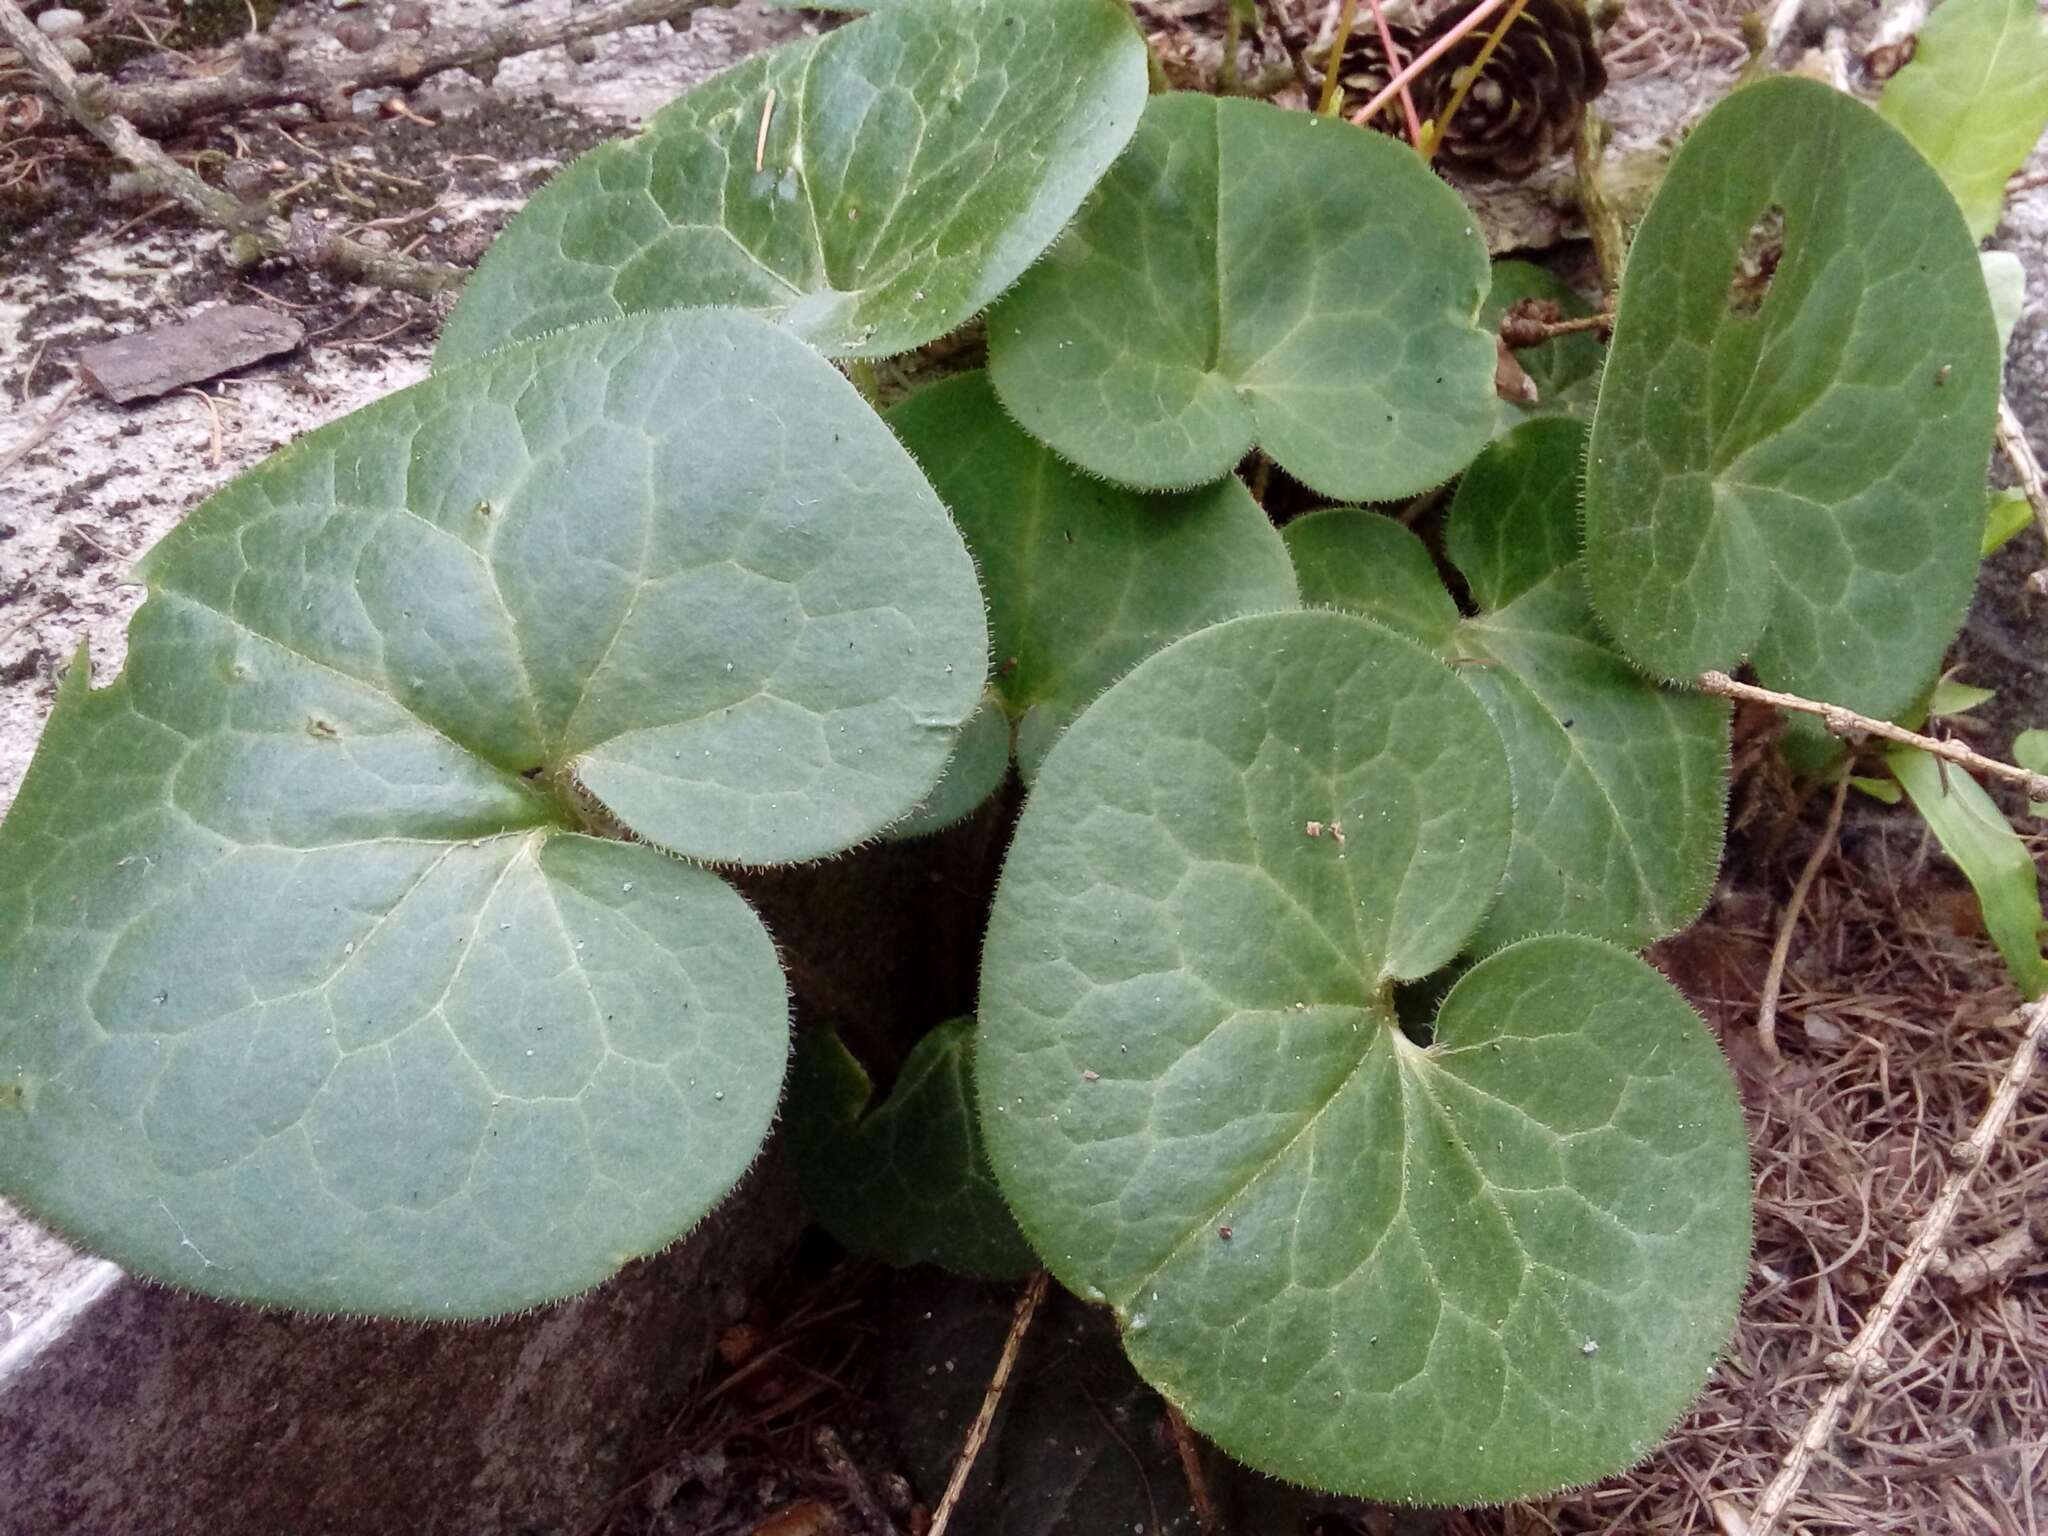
{"points": [[2019, 453], [256, 234], [1846, 722], [1774, 976], [399, 62], [977, 1432], [1852, 1364]]}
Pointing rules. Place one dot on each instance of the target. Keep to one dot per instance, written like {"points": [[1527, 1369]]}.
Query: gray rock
{"points": [[60, 21]]}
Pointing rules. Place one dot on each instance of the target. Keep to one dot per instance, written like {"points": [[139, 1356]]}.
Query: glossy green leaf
{"points": [[1083, 579], [1565, 369], [1247, 275], [310, 993], [1974, 832], [1799, 479], [1468, 1272], [913, 164], [1974, 98], [1619, 785], [904, 1181]]}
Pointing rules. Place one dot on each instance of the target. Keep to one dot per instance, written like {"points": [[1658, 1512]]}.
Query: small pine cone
{"points": [[1526, 104]]}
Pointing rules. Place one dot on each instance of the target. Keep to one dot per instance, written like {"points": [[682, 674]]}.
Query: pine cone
{"points": [[1526, 104]]}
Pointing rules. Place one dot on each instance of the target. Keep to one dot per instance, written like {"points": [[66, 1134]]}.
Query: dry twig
{"points": [[1190, 1456], [395, 62], [1846, 722], [977, 1432], [1774, 977], [2019, 453], [1861, 1357], [850, 1477], [255, 233]]}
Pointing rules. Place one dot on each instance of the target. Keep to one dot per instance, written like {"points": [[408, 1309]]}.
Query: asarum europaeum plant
{"points": [[362, 947]]}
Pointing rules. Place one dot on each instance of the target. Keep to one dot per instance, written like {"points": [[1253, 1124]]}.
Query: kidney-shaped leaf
{"points": [[1247, 275], [1788, 455], [904, 1181], [1619, 784], [872, 189], [1083, 579], [310, 993], [1463, 1272]]}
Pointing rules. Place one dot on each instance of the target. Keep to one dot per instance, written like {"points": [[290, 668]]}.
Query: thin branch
{"points": [[1469, 76], [256, 234], [1846, 722], [2019, 453], [1774, 977], [1333, 71], [1859, 1360], [977, 1432], [1424, 59], [1394, 62], [1191, 1468], [1520, 331], [842, 1467], [396, 62]]}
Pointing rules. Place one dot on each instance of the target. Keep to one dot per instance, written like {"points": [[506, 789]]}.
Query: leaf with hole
{"points": [[872, 189], [1084, 579], [1973, 831], [314, 989], [1974, 98], [1247, 276], [1788, 456], [1619, 785], [904, 1181], [1472, 1271]]}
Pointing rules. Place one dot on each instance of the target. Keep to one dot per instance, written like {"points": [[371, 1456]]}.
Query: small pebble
{"points": [[77, 52], [582, 49], [356, 35], [411, 16], [59, 21]]}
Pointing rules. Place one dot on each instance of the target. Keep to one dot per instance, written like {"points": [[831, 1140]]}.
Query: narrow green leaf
{"points": [[913, 164], [1619, 785], [1885, 790], [1974, 832], [1565, 369], [1799, 479], [1247, 275], [1950, 697], [1974, 98], [1084, 579], [2008, 514], [1465, 1273], [2030, 750], [905, 1181], [2005, 280], [308, 993]]}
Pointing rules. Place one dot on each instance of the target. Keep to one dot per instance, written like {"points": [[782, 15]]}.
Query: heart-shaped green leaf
{"points": [[1247, 275], [1974, 98], [1083, 579], [1470, 1271], [974, 770], [310, 993], [872, 190], [1788, 456], [1619, 784], [905, 1181]]}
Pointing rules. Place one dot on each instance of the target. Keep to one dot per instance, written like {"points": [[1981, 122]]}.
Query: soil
{"points": [[1893, 1019]]}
